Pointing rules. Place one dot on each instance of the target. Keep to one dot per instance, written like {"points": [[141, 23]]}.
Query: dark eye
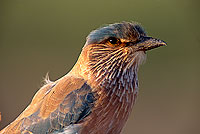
{"points": [[113, 40]]}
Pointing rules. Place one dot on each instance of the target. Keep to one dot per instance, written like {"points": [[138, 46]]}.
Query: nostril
{"points": [[132, 43], [129, 44]]}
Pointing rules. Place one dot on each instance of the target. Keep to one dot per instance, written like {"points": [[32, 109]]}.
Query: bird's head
{"points": [[117, 48]]}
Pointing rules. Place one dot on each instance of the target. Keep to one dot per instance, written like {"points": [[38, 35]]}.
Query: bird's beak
{"points": [[148, 43]]}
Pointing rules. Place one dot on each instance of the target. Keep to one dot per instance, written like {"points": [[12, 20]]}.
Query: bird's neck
{"points": [[115, 77], [117, 94], [116, 83]]}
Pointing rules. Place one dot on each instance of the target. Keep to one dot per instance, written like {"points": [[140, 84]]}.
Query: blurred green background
{"points": [[40, 36]]}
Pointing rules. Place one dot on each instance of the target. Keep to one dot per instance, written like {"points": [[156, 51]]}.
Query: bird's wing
{"points": [[56, 107]]}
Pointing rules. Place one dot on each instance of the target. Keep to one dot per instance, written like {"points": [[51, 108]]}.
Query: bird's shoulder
{"points": [[56, 106]]}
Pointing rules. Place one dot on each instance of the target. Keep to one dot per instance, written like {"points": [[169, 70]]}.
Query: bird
{"points": [[98, 94]]}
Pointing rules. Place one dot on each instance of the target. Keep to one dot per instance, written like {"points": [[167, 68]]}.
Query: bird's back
{"points": [[55, 106]]}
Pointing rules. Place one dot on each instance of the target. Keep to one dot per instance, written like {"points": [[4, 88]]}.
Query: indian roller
{"points": [[98, 94]]}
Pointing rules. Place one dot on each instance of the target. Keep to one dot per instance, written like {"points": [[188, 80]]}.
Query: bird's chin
{"points": [[141, 57], [142, 52]]}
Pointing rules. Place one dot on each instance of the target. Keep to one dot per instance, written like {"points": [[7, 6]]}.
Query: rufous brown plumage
{"points": [[97, 95]]}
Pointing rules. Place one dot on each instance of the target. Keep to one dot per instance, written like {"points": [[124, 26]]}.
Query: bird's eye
{"points": [[113, 41]]}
